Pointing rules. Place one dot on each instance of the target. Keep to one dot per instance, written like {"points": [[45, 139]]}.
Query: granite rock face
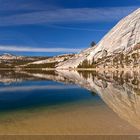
{"points": [[124, 35], [120, 40]]}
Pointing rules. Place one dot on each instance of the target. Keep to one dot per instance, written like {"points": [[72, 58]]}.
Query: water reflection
{"points": [[120, 90]]}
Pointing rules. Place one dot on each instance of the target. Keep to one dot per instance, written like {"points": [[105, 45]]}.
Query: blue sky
{"points": [[52, 27]]}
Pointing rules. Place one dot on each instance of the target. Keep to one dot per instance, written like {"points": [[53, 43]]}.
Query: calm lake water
{"points": [[69, 102]]}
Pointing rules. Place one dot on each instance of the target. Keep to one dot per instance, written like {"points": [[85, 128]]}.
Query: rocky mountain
{"points": [[10, 61], [120, 48], [7, 56], [50, 62], [13, 61]]}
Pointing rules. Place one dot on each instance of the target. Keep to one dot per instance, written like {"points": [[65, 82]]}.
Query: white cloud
{"points": [[66, 15], [77, 29], [31, 49], [23, 5]]}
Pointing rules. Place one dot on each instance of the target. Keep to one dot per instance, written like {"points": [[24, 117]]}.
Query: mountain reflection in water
{"points": [[120, 90]]}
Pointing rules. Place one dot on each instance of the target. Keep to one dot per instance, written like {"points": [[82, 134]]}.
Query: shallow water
{"points": [[69, 102]]}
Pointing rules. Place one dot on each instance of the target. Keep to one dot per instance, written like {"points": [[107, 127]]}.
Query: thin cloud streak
{"points": [[76, 29], [60, 15], [24, 5], [31, 49]]}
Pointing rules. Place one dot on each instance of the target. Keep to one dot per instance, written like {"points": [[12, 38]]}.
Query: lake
{"points": [[69, 102]]}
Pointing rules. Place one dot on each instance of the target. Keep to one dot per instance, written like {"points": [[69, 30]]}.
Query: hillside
{"points": [[13, 61], [50, 62], [119, 48]]}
